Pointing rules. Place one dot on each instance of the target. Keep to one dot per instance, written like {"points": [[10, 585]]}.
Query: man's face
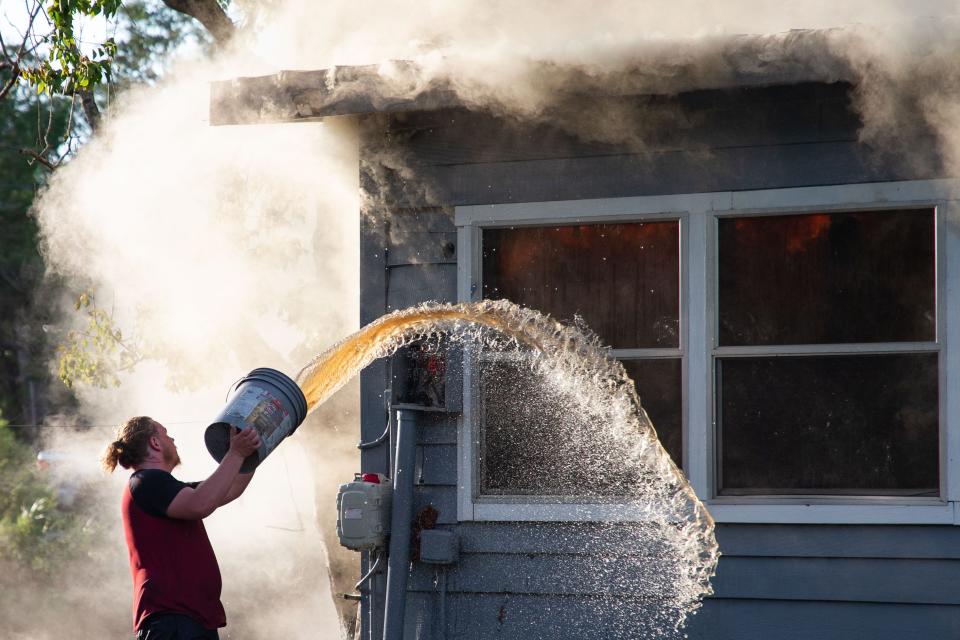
{"points": [[168, 448]]}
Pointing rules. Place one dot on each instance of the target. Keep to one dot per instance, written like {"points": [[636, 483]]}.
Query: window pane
{"points": [[864, 425], [534, 443], [659, 384], [827, 278], [623, 279]]}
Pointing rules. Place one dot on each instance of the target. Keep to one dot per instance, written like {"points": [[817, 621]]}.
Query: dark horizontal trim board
{"points": [[770, 620], [839, 579], [822, 579], [840, 541]]}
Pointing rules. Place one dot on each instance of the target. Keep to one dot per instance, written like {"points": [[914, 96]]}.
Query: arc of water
{"points": [[561, 351]]}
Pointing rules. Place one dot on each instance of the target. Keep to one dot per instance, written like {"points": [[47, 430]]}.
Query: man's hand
{"points": [[243, 442], [223, 485]]}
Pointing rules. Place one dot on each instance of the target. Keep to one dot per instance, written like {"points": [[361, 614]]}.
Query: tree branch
{"points": [[11, 81], [14, 61], [36, 157], [210, 14], [90, 108]]}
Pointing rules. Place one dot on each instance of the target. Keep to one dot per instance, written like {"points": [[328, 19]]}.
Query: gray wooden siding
{"points": [[743, 619], [516, 616], [539, 580], [763, 138], [530, 580]]}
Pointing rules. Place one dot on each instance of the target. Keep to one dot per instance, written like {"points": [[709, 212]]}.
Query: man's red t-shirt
{"points": [[173, 565]]}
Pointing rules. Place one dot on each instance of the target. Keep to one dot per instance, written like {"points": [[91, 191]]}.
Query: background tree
{"points": [[62, 64]]}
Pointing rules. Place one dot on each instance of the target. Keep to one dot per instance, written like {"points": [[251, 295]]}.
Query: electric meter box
{"points": [[363, 512]]}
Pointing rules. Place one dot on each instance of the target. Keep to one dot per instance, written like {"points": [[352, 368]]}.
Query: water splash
{"points": [[673, 549]]}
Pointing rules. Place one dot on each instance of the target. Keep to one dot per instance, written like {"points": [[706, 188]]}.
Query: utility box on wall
{"points": [[429, 375], [363, 512]]}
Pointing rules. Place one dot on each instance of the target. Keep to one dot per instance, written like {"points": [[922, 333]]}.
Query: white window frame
{"points": [[698, 214]]}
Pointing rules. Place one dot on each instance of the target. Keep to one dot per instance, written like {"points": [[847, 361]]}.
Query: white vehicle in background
{"points": [[56, 465]]}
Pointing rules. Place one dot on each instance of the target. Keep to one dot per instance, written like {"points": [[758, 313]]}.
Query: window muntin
{"points": [[839, 291], [624, 281]]}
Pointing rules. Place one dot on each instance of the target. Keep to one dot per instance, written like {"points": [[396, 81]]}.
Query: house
{"points": [[781, 291]]}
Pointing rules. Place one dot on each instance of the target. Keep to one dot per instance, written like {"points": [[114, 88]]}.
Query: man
{"points": [[176, 579]]}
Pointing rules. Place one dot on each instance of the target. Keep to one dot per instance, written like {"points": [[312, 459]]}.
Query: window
{"points": [[827, 363], [791, 345], [623, 280]]}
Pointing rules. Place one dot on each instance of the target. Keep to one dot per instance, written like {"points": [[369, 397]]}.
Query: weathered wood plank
{"points": [[839, 579], [839, 541], [529, 617], [443, 499], [560, 538], [436, 465], [742, 168], [373, 241], [698, 120], [423, 220], [421, 619], [423, 248], [524, 617], [373, 417], [439, 431], [343, 90], [815, 541], [543, 574], [772, 620], [412, 284], [373, 304]]}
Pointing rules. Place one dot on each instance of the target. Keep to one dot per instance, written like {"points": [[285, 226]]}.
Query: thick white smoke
{"points": [[217, 250], [226, 248]]}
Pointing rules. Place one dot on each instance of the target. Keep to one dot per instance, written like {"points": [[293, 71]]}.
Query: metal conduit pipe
{"points": [[371, 601], [374, 575], [398, 560]]}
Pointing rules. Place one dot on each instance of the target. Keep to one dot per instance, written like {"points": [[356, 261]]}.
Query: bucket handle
{"points": [[232, 387]]}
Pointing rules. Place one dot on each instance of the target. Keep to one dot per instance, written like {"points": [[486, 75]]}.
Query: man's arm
{"points": [[196, 504], [238, 487]]}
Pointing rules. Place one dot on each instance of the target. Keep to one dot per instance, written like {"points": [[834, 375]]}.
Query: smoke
{"points": [[220, 249], [530, 59], [215, 250]]}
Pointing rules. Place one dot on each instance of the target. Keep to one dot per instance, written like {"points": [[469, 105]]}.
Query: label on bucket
{"points": [[265, 414]]}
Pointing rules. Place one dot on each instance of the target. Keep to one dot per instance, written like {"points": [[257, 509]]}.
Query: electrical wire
{"points": [[373, 443], [373, 569], [90, 426]]}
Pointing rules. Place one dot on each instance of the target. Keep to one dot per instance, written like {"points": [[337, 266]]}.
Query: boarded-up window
{"points": [[827, 374], [623, 280]]}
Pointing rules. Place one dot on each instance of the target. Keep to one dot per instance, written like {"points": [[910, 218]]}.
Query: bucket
{"points": [[266, 400]]}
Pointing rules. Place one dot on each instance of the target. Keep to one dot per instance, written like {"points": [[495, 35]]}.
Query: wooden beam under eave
{"points": [[303, 96]]}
